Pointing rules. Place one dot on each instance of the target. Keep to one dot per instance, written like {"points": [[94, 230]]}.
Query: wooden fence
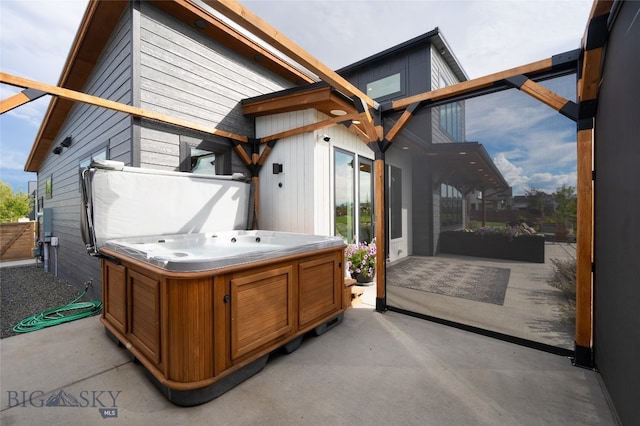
{"points": [[17, 240]]}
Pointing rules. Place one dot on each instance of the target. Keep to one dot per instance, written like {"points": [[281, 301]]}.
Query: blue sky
{"points": [[486, 36], [532, 145]]}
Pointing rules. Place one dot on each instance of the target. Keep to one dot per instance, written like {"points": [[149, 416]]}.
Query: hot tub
{"points": [[202, 311], [214, 250]]}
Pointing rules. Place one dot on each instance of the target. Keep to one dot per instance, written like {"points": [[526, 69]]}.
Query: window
{"points": [[384, 86], [344, 181], [353, 189], [451, 115], [395, 202], [206, 162], [204, 157], [100, 154], [451, 120], [450, 206], [365, 201]]}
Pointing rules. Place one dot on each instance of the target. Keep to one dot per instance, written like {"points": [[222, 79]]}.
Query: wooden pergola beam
{"points": [[254, 24], [115, 106], [475, 84], [404, 119], [18, 99], [564, 106], [309, 127]]}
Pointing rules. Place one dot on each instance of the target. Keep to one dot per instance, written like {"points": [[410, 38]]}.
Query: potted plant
{"points": [[361, 261]]}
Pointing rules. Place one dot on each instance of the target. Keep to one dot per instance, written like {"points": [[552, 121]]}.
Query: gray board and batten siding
{"points": [[617, 229], [158, 63]]}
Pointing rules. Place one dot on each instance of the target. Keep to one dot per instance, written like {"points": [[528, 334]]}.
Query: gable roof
{"points": [[96, 27], [433, 37]]}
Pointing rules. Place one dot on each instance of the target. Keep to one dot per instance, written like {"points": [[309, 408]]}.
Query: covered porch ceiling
{"points": [[319, 96], [464, 165]]}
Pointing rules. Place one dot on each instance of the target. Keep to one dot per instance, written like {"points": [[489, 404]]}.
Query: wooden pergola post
{"points": [[381, 240], [593, 42], [584, 247]]}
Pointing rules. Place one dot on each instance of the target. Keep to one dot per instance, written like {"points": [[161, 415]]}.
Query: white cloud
{"points": [[520, 181]]}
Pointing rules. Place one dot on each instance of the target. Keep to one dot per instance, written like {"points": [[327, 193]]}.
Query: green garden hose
{"points": [[72, 311]]}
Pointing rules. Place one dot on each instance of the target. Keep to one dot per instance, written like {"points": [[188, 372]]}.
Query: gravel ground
{"points": [[28, 290]]}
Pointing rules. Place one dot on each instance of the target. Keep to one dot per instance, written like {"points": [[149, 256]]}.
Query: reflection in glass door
{"points": [[365, 201], [344, 202]]}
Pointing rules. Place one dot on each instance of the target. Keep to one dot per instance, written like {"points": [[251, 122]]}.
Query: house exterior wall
{"points": [[287, 200], [91, 129], [189, 76], [404, 246], [617, 202], [301, 199]]}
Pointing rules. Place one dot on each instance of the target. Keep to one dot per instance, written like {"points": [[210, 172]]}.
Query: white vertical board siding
{"points": [[402, 247], [186, 75], [91, 129], [323, 180], [287, 200], [304, 202]]}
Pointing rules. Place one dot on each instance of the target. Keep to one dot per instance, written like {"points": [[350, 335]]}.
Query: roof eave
{"points": [[75, 74]]}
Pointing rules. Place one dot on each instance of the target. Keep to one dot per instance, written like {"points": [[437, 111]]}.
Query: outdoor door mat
{"points": [[457, 279]]}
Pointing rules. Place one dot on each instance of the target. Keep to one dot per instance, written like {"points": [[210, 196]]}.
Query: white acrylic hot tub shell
{"points": [[213, 250]]}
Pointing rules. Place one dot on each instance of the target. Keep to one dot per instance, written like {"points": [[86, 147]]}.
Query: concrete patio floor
{"points": [[373, 369]]}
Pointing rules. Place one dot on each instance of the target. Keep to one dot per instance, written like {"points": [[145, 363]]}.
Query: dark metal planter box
{"points": [[527, 248]]}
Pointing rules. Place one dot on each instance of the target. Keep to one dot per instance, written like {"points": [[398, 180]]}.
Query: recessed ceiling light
{"points": [[338, 112], [405, 147], [462, 153]]}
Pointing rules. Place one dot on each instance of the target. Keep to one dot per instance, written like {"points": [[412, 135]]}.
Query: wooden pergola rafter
{"points": [[73, 95]]}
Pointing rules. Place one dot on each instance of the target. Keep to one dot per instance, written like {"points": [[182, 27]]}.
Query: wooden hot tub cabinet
{"points": [[198, 334]]}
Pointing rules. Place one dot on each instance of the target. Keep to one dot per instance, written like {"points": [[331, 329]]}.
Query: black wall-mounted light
{"points": [[277, 168], [66, 142], [57, 150]]}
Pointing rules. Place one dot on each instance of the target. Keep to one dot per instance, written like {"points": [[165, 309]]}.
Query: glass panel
{"points": [[204, 161], [491, 224], [450, 120], [395, 201], [344, 181], [99, 155], [384, 86], [365, 195]]}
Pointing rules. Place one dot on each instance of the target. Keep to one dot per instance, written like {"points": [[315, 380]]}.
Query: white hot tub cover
{"points": [[120, 201]]}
